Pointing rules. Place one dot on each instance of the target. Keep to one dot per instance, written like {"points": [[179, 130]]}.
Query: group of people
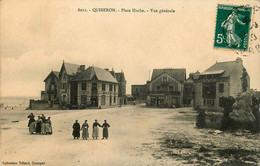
{"points": [[85, 133], [43, 125], [40, 126]]}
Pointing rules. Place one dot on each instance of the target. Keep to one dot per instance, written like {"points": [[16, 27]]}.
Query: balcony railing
{"points": [[209, 102], [165, 83]]}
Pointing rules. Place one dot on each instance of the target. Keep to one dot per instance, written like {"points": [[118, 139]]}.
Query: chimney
{"points": [[81, 68], [191, 75], [239, 60]]}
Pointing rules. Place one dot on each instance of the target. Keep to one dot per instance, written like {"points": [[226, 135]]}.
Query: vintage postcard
{"points": [[129, 82]]}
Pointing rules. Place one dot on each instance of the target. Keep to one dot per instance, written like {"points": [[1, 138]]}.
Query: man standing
{"points": [[76, 130]]}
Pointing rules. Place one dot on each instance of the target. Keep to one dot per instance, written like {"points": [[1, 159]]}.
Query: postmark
{"points": [[233, 27]]}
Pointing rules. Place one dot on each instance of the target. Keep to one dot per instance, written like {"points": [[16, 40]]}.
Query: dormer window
{"points": [[165, 79], [83, 86]]}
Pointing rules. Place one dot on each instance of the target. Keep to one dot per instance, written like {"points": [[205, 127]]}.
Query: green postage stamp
{"points": [[232, 27]]}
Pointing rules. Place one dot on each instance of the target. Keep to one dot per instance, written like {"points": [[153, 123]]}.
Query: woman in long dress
{"points": [[43, 124], [95, 129], [48, 127], [38, 125], [31, 118], [32, 126], [105, 127], [84, 128], [76, 130], [230, 25]]}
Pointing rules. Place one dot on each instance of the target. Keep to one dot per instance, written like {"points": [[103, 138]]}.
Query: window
{"points": [[103, 100], [103, 87], [141, 90], [164, 79], [83, 86], [110, 88], [114, 99], [158, 87], [49, 97], [63, 85], [94, 86], [115, 88], [176, 87], [64, 97], [209, 90], [83, 99], [170, 88], [221, 88]]}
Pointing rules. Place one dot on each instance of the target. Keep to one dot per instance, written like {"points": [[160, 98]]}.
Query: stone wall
{"points": [[39, 105]]}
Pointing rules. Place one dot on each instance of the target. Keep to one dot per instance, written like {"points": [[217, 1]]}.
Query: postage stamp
{"points": [[232, 27]]}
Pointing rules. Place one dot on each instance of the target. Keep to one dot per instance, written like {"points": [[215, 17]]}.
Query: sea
{"points": [[15, 102]]}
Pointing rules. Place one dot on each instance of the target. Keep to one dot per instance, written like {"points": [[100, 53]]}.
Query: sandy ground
{"points": [[137, 136]]}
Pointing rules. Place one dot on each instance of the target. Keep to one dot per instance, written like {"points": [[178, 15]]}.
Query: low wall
{"points": [[39, 105]]}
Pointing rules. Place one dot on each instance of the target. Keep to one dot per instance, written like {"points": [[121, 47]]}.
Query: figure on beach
{"points": [[48, 126], [95, 133], [43, 124], [32, 125], [38, 125], [76, 130], [105, 127], [84, 128], [229, 26], [31, 118]]}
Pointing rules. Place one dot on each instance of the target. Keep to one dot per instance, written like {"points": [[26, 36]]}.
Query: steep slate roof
{"points": [[113, 73], [70, 68], [223, 68], [101, 74], [56, 73], [120, 76], [179, 74]]}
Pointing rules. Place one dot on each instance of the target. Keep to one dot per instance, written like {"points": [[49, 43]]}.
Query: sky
{"points": [[36, 36]]}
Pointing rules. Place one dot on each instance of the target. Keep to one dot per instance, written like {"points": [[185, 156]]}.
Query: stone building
{"points": [[166, 87], [51, 87], [139, 92], [120, 77], [189, 91], [223, 79], [76, 87], [94, 87]]}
